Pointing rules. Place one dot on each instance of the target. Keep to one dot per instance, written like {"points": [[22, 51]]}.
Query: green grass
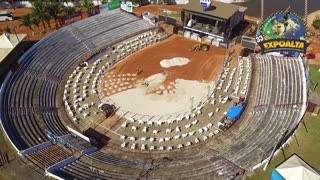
{"points": [[4, 177], [307, 147], [315, 77]]}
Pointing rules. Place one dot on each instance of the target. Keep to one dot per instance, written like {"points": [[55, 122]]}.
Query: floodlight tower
{"points": [[262, 10], [306, 11]]}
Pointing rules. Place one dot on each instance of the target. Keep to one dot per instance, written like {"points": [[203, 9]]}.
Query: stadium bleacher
{"points": [[278, 107], [29, 106], [36, 81]]}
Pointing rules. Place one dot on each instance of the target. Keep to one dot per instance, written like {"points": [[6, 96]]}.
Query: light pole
{"points": [[262, 10], [191, 107], [208, 95], [284, 132], [257, 34], [306, 11]]}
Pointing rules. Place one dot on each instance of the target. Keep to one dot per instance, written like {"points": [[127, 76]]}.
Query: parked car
{"points": [[6, 16], [310, 56]]}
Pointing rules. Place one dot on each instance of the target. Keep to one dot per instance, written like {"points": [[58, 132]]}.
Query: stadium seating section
{"points": [[274, 87]]}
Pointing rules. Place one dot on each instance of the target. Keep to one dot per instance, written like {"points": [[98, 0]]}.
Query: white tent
{"points": [[5, 42], [8, 42], [295, 168]]}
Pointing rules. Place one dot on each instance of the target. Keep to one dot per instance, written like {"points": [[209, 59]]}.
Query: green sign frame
{"points": [[113, 5]]}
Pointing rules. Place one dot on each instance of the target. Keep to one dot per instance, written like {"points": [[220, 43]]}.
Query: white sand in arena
{"points": [[137, 101], [156, 79], [177, 61]]}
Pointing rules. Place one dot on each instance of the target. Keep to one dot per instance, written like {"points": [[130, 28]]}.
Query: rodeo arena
{"points": [[114, 96]]}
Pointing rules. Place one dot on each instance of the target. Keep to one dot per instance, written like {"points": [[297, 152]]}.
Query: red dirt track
{"points": [[203, 66]]}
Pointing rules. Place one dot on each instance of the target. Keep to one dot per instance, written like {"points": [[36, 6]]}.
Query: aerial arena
{"points": [[112, 97]]}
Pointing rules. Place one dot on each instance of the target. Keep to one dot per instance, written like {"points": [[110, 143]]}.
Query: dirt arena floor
{"points": [[203, 66], [155, 8]]}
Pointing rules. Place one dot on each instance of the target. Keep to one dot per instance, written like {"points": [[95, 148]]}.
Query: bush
{"points": [[136, 2], [316, 22]]}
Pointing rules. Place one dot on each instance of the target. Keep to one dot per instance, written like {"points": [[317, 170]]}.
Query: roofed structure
{"points": [[216, 24], [294, 168], [8, 42], [217, 9]]}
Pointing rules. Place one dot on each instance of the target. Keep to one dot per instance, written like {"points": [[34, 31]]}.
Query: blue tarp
{"points": [[275, 175], [235, 112]]}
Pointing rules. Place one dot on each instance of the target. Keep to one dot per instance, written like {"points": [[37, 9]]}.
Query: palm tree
{"points": [[39, 11], [87, 4], [8, 29], [47, 18], [54, 11], [36, 21], [69, 10], [26, 21]]}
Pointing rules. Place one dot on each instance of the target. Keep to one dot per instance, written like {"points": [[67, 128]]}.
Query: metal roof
{"points": [[217, 9]]}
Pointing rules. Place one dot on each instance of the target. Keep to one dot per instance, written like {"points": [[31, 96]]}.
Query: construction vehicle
{"points": [[200, 46], [138, 71]]}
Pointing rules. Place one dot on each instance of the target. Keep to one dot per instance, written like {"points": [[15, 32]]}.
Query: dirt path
{"points": [[155, 9]]}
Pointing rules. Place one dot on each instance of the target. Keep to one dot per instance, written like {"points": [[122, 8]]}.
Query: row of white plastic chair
{"points": [[230, 80], [161, 148], [176, 137]]}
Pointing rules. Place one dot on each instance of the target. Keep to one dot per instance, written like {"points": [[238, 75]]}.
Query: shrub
{"points": [[316, 22]]}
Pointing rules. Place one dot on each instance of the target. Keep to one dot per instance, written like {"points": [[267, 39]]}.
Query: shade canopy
{"points": [[235, 112], [294, 168], [5, 42]]}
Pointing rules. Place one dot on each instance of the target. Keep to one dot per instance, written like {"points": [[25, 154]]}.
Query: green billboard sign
{"points": [[113, 5]]}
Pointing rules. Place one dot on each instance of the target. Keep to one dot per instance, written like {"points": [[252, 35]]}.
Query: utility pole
{"points": [[283, 134], [191, 107], [208, 95]]}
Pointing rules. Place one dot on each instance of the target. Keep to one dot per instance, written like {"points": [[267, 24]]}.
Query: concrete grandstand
{"points": [[54, 90]]}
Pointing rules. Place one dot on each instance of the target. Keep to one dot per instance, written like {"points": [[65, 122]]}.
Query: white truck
{"points": [[6, 16]]}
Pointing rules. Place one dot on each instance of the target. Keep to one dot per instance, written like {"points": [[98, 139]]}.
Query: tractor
{"points": [[200, 46]]}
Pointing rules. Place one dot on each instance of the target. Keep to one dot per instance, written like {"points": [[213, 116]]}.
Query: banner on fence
{"points": [[71, 18]]}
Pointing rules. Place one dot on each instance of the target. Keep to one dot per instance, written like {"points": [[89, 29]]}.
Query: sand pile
{"points": [[155, 79], [153, 82], [137, 101], [177, 61]]}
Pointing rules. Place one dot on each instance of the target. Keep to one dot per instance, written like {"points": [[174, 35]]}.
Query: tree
{"points": [[54, 11], [316, 22], [69, 10], [136, 2], [87, 4], [39, 11], [166, 1], [26, 21], [8, 29], [36, 21], [47, 18]]}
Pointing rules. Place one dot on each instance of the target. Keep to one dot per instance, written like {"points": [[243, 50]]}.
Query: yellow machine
{"points": [[139, 71], [200, 46]]}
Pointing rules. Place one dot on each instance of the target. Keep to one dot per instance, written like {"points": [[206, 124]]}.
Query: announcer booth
{"points": [[214, 21]]}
